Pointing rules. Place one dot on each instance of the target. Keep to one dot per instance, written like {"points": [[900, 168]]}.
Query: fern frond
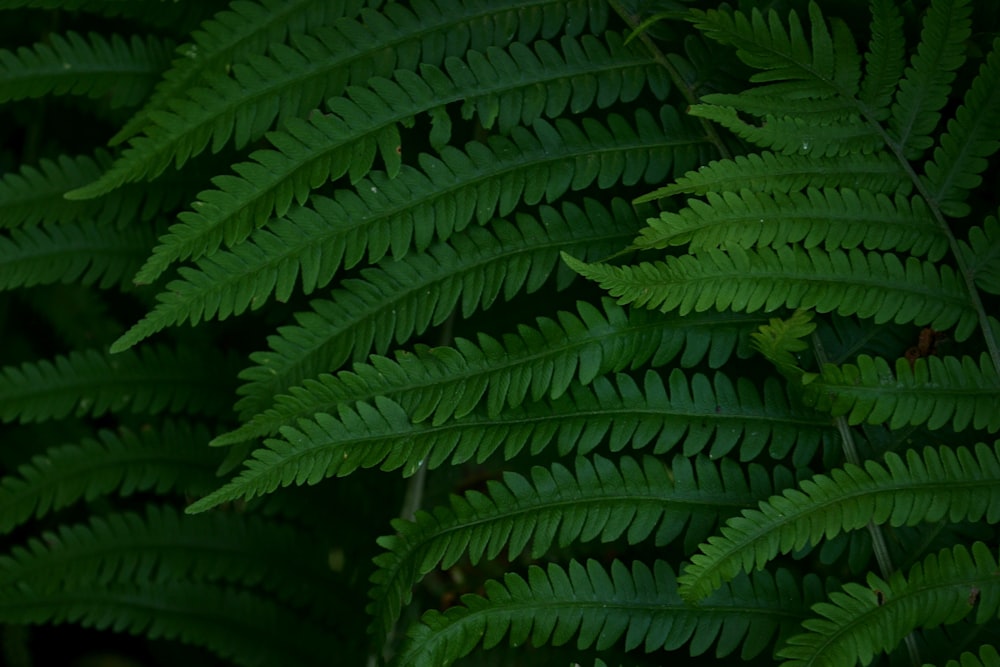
{"points": [[856, 624], [84, 252], [232, 36], [869, 285], [970, 139], [171, 456], [321, 66], [781, 340], [941, 483], [247, 628], [933, 391], [444, 382], [600, 608], [926, 83], [981, 255], [987, 657], [399, 299], [390, 214], [600, 499], [346, 141], [828, 218], [825, 64], [791, 135], [884, 61], [878, 173], [123, 72], [163, 545], [698, 412], [91, 382]]}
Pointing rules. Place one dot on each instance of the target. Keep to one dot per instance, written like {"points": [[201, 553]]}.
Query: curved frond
{"points": [[91, 382], [162, 545], [869, 285], [884, 60], [346, 141], [245, 104], [702, 413], [934, 391], [123, 72], [856, 623], [600, 608], [389, 215], [399, 299], [173, 456], [444, 382], [828, 218], [248, 628], [971, 138], [232, 36], [767, 172], [599, 499], [825, 62], [84, 252], [926, 83], [941, 483]]}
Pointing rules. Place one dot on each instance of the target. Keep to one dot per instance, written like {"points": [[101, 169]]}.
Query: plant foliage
{"points": [[555, 332]]}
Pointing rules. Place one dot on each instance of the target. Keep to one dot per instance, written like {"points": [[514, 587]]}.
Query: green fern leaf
{"points": [[924, 88], [403, 298], [232, 36], [827, 218], [608, 501], [119, 71], [780, 341], [90, 382], [172, 456], [444, 382], [245, 105], [884, 59], [987, 657], [826, 63], [856, 624], [697, 412], [767, 172], [868, 285], [971, 138], [76, 252], [346, 141], [601, 607], [247, 628], [933, 391], [981, 255], [390, 214], [941, 483]]}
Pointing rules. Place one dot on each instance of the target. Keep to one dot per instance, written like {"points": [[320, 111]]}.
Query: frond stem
{"points": [[633, 21]]}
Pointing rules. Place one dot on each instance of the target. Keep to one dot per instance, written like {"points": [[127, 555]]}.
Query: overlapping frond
{"points": [[972, 137], [444, 382], [299, 76], [123, 72], [698, 413], [600, 607], [365, 124], [869, 285], [926, 84], [937, 392], [863, 620], [388, 215], [171, 457], [599, 499], [92, 382], [987, 657], [981, 255], [828, 218], [84, 252], [241, 32], [398, 299], [884, 60], [942, 483]]}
